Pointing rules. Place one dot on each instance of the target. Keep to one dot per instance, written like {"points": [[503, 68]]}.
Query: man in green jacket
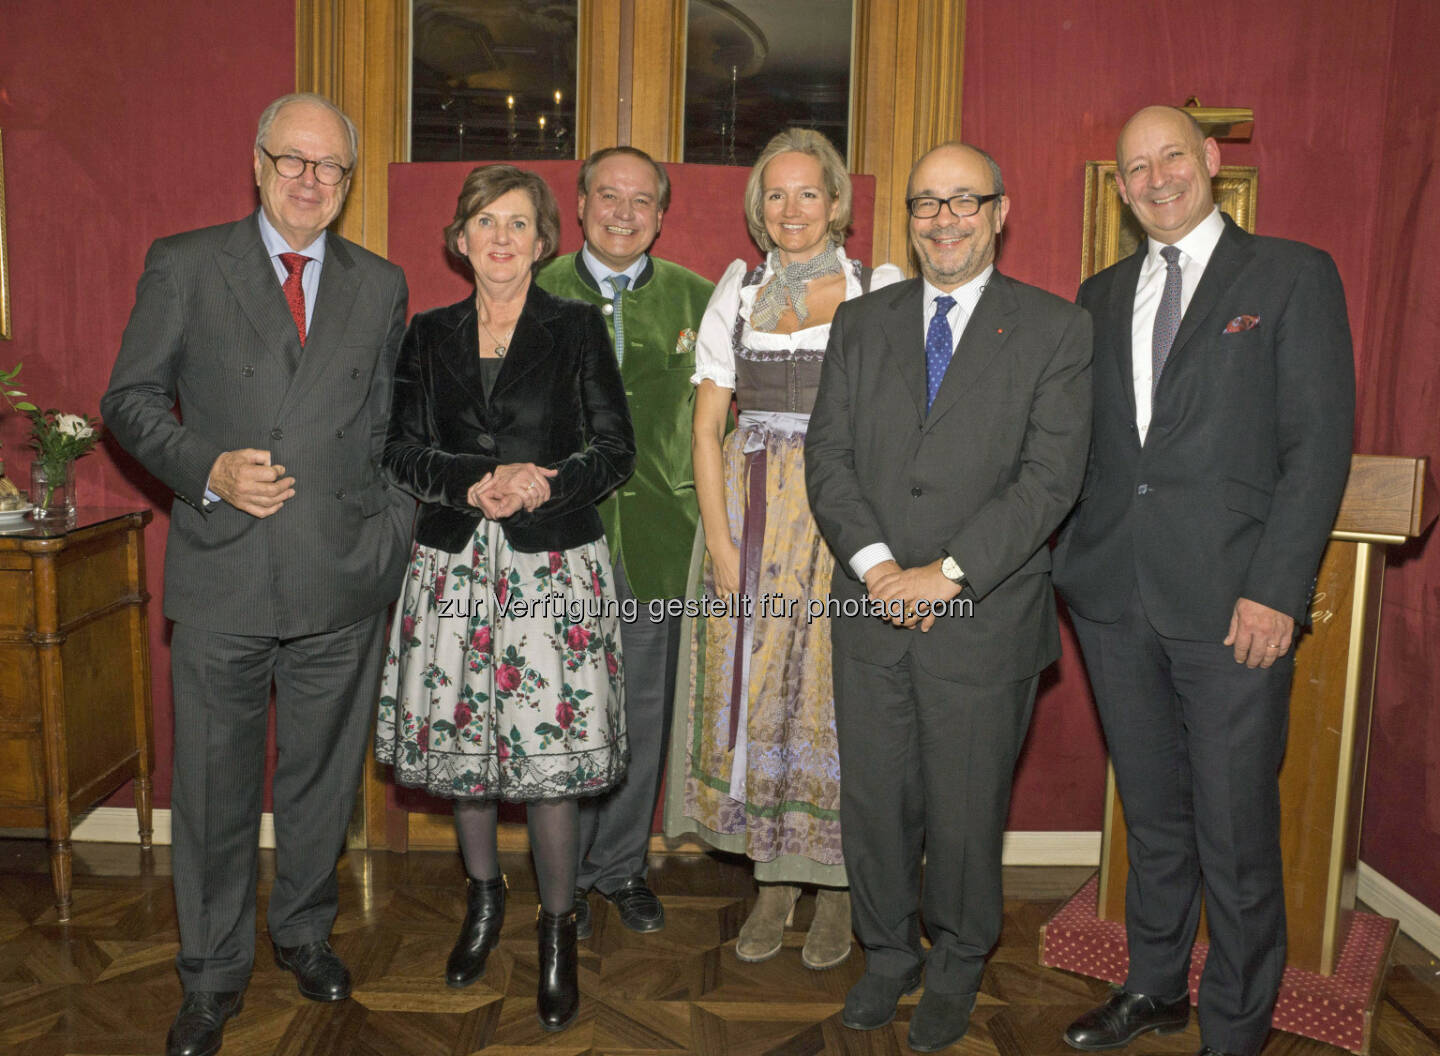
{"points": [[654, 309]]}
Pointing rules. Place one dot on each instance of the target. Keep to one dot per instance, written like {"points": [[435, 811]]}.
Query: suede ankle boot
{"points": [[763, 932], [484, 914], [558, 999], [827, 943]]}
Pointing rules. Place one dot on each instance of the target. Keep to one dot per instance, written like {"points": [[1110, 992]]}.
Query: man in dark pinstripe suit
{"points": [[277, 340]]}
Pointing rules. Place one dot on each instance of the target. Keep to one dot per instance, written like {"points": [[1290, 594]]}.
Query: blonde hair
{"points": [[832, 168]]}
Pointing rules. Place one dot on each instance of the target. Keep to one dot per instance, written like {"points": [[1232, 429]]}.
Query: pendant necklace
{"points": [[500, 346]]}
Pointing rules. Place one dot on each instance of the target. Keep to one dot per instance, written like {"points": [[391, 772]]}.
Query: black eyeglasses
{"points": [[923, 207], [292, 166]]}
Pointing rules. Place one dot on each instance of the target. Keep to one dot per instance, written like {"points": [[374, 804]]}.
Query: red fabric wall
{"points": [[1399, 392], [122, 122]]}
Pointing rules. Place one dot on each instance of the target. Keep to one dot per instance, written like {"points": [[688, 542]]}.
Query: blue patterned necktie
{"points": [[618, 284], [939, 346], [1167, 317]]}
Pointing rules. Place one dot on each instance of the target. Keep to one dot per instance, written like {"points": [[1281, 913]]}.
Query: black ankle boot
{"points": [[479, 934], [558, 1000]]}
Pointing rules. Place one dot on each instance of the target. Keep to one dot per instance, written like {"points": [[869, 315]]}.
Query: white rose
{"points": [[73, 425]]}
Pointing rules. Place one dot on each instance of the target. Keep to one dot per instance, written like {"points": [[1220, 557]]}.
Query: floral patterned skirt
{"points": [[503, 673]]}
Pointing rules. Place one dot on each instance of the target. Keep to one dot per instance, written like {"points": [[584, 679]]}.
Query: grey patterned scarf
{"points": [[787, 287]]}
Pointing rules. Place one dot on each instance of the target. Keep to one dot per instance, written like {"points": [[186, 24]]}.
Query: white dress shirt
{"points": [[1195, 251], [602, 273], [966, 298]]}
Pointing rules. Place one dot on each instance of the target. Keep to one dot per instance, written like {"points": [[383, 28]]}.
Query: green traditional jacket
{"points": [[650, 519]]}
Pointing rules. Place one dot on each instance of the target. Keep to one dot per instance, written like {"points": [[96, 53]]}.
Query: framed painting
{"points": [[1111, 231], [4, 258]]}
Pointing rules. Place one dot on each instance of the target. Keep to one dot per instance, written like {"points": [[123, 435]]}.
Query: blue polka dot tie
{"points": [[939, 346], [1167, 316], [618, 284]]}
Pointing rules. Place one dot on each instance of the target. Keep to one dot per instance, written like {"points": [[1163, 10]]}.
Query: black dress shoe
{"points": [[1124, 1017], [1208, 1051], [479, 934], [940, 1020], [321, 974], [871, 1002], [200, 1023], [584, 924], [557, 1002], [637, 905]]}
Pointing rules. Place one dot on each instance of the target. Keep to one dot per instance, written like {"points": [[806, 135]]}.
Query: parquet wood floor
{"points": [[105, 985]]}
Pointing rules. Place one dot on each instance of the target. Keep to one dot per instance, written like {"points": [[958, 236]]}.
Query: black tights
{"points": [[554, 845]]}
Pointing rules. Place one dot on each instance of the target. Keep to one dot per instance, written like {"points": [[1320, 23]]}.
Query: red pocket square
{"points": [[1241, 323]]}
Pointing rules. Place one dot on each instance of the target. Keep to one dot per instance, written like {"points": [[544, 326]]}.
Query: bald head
{"points": [[1182, 122], [959, 150]]}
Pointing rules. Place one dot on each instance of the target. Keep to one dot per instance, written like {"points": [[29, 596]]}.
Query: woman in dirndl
{"points": [[754, 765], [503, 675]]}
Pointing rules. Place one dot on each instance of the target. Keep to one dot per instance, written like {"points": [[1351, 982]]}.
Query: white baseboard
{"points": [[1420, 922], [1388, 899], [119, 825], [1051, 848]]}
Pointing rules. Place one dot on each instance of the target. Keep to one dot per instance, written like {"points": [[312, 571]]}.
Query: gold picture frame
{"points": [[1111, 231], [5, 331]]}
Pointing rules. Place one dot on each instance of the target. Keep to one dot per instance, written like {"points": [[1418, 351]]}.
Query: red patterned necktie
{"points": [[294, 291]]}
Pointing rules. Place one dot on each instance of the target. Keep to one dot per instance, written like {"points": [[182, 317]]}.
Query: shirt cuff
{"points": [[867, 557]]}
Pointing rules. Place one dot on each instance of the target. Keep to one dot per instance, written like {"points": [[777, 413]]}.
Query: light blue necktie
{"points": [[939, 346], [618, 284], [1167, 317]]}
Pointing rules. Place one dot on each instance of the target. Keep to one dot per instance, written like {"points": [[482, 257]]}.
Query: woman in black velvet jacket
{"points": [[503, 678]]}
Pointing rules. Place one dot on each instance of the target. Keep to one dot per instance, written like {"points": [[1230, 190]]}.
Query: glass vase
{"points": [[52, 497]]}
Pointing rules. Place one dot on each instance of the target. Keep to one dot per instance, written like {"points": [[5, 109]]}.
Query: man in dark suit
{"points": [[278, 342], [947, 442], [1224, 405]]}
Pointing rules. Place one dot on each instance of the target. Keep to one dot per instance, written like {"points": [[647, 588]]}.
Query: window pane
{"points": [[754, 67], [493, 79]]}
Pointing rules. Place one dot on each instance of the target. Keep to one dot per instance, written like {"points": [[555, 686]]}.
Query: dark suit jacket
{"points": [[211, 331], [1235, 490], [986, 476], [558, 401]]}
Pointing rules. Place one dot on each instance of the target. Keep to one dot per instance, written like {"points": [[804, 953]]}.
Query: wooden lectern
{"points": [[1322, 781]]}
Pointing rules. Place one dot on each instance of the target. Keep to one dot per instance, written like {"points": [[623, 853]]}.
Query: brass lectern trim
{"points": [[1107, 833], [1370, 537], [1354, 659]]}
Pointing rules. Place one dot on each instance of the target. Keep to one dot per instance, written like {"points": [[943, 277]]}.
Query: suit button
{"points": [[915, 493], [339, 434], [277, 433], [607, 309], [1142, 489], [354, 373], [340, 494], [247, 371]]}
